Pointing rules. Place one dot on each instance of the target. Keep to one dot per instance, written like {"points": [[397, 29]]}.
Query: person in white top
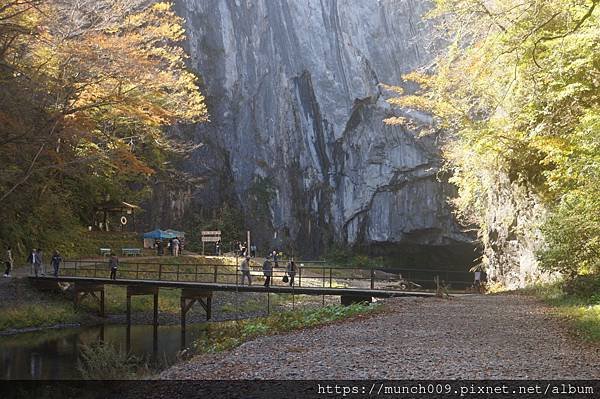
{"points": [[245, 268], [8, 262]]}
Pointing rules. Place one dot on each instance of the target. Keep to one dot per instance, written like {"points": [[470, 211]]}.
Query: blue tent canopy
{"points": [[175, 232], [159, 234]]}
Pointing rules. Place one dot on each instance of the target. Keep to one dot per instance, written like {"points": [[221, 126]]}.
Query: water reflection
{"points": [[53, 354]]}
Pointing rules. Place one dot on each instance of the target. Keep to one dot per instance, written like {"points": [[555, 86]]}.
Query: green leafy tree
{"points": [[87, 90], [516, 96]]}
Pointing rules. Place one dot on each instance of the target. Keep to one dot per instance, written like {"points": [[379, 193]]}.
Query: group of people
{"points": [[267, 268], [35, 259], [174, 246], [38, 267], [242, 249]]}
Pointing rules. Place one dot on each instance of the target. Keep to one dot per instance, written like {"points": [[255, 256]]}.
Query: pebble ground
{"points": [[471, 337]]}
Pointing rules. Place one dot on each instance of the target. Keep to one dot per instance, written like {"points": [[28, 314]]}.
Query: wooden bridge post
{"points": [[133, 290], [189, 296], [102, 313], [128, 340], [155, 322], [183, 313], [372, 279]]}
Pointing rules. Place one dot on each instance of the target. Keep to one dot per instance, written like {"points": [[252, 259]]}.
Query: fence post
{"points": [[372, 278], [137, 271], [216, 272], [159, 271], [178, 272], [300, 276], [323, 271], [330, 278]]}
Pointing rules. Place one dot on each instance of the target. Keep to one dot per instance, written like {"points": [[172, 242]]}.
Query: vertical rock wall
{"points": [[295, 105]]}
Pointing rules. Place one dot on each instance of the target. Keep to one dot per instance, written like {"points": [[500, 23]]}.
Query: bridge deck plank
{"points": [[243, 288]]}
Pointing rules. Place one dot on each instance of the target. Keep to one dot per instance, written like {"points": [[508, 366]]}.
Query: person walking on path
{"points": [[113, 263], [275, 258], [267, 271], [55, 262], [253, 251], [292, 269], [8, 261], [31, 259], [245, 267], [35, 260], [176, 246]]}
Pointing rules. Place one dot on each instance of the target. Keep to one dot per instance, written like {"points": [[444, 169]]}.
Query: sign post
{"points": [[210, 236], [248, 245]]}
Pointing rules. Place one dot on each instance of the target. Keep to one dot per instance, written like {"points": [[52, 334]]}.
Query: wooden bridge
{"points": [[198, 282]]}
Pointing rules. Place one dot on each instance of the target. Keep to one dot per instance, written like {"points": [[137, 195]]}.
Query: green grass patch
{"points": [[227, 335], [115, 298], [37, 315], [581, 312]]}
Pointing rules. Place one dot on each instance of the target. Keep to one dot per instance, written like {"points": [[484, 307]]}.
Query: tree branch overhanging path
{"points": [[76, 79]]}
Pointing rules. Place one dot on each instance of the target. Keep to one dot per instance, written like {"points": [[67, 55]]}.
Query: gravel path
{"points": [[478, 337]]}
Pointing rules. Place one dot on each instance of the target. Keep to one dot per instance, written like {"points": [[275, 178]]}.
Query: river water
{"points": [[53, 354]]}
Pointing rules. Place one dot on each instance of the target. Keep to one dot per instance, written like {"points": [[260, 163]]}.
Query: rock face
{"points": [[296, 137], [511, 235]]}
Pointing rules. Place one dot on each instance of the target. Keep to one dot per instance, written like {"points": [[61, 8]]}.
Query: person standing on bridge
{"points": [[32, 260], [36, 261], [8, 261], [267, 271], [55, 262], [245, 268], [291, 271], [113, 263]]}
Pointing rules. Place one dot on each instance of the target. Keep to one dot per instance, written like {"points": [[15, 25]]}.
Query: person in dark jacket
{"points": [[35, 258], [55, 262], [113, 263], [267, 271], [292, 269]]}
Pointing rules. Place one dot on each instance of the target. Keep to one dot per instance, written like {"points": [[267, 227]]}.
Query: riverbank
{"points": [[473, 337], [27, 309]]}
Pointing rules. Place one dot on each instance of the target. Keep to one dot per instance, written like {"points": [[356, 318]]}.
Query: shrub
{"points": [[587, 286], [101, 361]]}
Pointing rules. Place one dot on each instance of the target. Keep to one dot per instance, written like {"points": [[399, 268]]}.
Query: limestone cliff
{"points": [[296, 108]]}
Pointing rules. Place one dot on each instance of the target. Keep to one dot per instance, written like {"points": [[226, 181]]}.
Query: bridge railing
{"points": [[309, 274]]}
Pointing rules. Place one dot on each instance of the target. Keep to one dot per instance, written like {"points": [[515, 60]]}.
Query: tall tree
{"points": [[87, 89], [516, 95]]}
